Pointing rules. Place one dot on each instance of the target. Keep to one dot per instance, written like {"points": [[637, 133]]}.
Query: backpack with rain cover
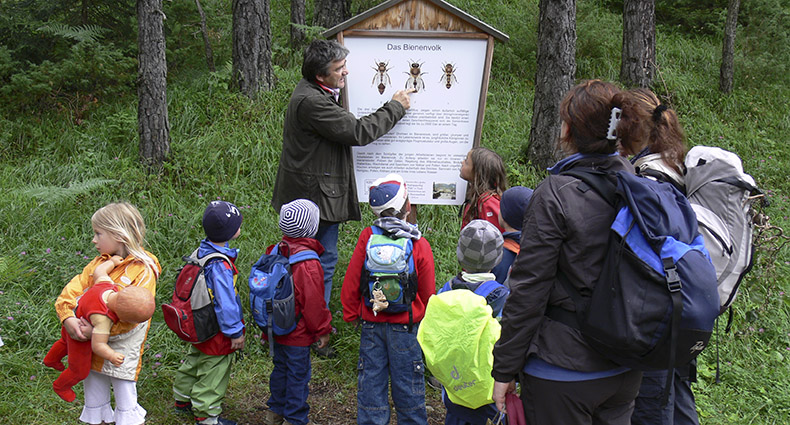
{"points": [[388, 281], [722, 196], [191, 313], [655, 302], [272, 300], [457, 336]]}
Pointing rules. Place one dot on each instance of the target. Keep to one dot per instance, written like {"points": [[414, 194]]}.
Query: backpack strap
{"points": [[305, 255], [205, 260], [596, 180], [487, 287], [202, 261]]}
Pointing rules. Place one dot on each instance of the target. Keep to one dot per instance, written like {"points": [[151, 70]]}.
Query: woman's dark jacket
{"points": [[316, 160], [566, 229]]}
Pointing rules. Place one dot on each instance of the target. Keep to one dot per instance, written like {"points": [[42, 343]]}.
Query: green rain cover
{"points": [[457, 336]]}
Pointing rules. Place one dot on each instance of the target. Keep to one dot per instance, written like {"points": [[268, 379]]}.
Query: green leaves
{"points": [[77, 33]]}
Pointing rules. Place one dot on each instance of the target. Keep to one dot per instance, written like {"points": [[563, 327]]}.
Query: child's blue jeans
{"points": [[289, 381], [389, 352]]}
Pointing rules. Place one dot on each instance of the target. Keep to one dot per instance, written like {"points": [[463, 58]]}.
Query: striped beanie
{"points": [[299, 218], [388, 192]]}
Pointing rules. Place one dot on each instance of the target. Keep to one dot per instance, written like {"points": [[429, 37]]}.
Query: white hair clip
{"points": [[614, 119]]}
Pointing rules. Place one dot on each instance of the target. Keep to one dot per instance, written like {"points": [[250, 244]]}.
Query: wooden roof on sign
{"points": [[416, 15]]}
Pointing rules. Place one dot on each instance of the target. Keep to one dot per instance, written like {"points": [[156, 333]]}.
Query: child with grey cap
{"points": [[480, 248], [290, 376]]}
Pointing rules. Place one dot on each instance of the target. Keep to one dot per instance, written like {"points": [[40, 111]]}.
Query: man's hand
{"points": [[323, 341], [402, 96], [237, 343], [74, 329], [500, 389]]}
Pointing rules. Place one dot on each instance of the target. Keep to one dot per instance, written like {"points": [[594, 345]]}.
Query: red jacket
{"points": [[351, 295], [308, 293], [487, 209]]}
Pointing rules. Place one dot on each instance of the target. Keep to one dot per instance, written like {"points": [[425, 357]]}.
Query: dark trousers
{"points": [[680, 408], [605, 401], [289, 383]]}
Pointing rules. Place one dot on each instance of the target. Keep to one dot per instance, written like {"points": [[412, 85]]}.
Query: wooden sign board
{"points": [[436, 49]]}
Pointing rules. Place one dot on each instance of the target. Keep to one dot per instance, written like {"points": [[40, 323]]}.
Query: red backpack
{"points": [[191, 313]]}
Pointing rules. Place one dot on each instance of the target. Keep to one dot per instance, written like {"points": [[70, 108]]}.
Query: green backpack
{"points": [[457, 336]]}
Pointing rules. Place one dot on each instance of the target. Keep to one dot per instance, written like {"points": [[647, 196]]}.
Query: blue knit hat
{"points": [[299, 218], [513, 204], [221, 220]]}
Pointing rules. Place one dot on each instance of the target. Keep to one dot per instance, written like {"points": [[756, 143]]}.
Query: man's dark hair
{"points": [[319, 55]]}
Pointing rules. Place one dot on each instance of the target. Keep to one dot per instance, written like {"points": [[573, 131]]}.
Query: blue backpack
{"points": [[388, 273], [655, 302], [272, 292], [494, 292]]}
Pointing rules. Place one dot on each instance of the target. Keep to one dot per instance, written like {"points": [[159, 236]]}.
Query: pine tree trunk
{"points": [[728, 50], [252, 47], [206, 41], [637, 67], [329, 13], [152, 123], [297, 18], [554, 77]]}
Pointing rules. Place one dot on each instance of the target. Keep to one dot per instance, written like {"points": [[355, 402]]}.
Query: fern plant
{"points": [[79, 33], [54, 194]]}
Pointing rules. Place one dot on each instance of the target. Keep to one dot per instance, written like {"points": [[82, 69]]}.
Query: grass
{"points": [[224, 146]]}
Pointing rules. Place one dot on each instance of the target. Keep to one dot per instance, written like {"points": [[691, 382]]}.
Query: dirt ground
{"points": [[332, 405]]}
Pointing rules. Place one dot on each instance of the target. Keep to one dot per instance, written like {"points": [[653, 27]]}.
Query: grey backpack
{"points": [[722, 196]]}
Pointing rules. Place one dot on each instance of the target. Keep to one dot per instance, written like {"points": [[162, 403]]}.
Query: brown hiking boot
{"points": [[273, 418]]}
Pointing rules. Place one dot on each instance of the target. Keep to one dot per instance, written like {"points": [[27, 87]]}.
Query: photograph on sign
{"points": [[427, 146]]}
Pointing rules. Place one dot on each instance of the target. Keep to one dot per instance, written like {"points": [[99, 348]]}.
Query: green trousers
{"points": [[203, 381]]}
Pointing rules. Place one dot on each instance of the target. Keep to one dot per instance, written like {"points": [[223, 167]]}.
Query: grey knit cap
{"points": [[299, 218], [479, 247]]}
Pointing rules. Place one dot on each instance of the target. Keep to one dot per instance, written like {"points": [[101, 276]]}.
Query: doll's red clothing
{"points": [[79, 352]]}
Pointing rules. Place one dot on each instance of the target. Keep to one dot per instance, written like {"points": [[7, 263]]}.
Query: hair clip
{"points": [[658, 111], [614, 119]]}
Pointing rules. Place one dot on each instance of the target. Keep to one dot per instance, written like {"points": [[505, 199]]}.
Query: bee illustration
{"points": [[415, 76], [381, 69], [448, 71]]}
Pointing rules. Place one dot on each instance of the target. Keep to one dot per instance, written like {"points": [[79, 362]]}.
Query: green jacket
{"points": [[316, 160]]}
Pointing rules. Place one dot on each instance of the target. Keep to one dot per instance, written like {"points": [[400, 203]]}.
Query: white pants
{"points": [[97, 407]]}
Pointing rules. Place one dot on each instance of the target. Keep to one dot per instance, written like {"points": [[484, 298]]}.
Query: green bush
{"points": [[92, 71]]}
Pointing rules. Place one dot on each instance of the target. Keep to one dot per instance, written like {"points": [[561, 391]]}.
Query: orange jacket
{"points": [[132, 272]]}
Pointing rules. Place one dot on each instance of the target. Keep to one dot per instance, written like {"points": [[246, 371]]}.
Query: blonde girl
{"points": [[118, 230], [485, 172]]}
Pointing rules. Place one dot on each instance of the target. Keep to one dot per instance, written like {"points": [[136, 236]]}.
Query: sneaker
{"points": [[183, 407], [434, 383], [327, 352]]}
